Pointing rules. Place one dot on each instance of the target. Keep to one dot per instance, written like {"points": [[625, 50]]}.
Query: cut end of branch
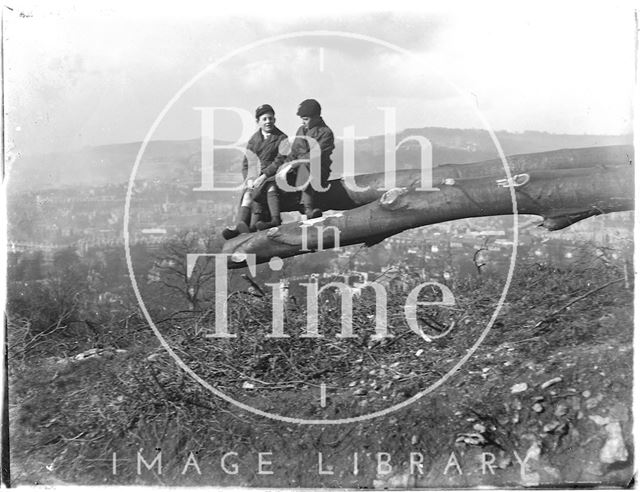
{"points": [[562, 221], [391, 199]]}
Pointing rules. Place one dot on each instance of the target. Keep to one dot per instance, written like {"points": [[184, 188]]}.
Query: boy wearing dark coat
{"points": [[314, 127], [264, 144]]}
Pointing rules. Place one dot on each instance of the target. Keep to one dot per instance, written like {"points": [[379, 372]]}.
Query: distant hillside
{"points": [[179, 160], [458, 146]]}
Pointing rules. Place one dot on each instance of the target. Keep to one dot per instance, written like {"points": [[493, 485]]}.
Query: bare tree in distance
{"points": [[170, 265]]}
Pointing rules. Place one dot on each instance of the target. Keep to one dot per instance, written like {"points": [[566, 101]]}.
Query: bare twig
{"points": [[253, 284], [573, 301]]}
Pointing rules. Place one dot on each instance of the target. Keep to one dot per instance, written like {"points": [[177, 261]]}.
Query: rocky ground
{"points": [[545, 400]]}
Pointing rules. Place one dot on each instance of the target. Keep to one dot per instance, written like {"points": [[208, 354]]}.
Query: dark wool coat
{"points": [[266, 149], [322, 134]]}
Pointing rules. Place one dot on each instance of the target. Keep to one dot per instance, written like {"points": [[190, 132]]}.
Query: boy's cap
{"points": [[265, 108], [309, 107]]}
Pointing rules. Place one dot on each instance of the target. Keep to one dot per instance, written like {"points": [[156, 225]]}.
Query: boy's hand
{"points": [[259, 180], [287, 168]]}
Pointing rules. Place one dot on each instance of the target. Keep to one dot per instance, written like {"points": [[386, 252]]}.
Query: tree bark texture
{"points": [[562, 186]]}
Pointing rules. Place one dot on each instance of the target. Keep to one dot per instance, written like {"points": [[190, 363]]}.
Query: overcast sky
{"points": [[76, 76]]}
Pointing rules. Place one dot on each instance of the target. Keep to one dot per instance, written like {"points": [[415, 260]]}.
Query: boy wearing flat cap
{"points": [[314, 127], [262, 190]]}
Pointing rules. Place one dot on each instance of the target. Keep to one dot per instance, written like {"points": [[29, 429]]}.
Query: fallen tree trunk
{"points": [[555, 185], [341, 197]]}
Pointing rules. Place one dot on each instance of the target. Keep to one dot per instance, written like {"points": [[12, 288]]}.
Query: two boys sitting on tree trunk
{"points": [[262, 194]]}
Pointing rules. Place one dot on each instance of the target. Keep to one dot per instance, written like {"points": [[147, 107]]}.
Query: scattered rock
{"points": [[93, 353], [546, 384], [519, 388], [614, 448], [529, 477], [538, 398], [551, 426], [586, 394], [471, 438], [537, 407], [561, 410], [592, 403], [479, 427], [600, 420], [352, 384], [248, 385], [419, 352], [504, 460], [414, 440], [360, 392], [86, 353]]}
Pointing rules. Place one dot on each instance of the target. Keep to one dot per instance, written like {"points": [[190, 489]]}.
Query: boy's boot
{"points": [[241, 227], [307, 200], [273, 201]]}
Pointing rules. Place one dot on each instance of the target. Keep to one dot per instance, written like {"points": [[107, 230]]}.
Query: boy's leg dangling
{"points": [[307, 199], [244, 216], [273, 202]]}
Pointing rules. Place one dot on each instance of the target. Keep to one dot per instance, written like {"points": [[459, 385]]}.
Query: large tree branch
{"points": [[554, 185]]}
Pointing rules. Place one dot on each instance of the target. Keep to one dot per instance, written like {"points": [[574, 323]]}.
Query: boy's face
{"points": [[307, 120], [267, 122]]}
